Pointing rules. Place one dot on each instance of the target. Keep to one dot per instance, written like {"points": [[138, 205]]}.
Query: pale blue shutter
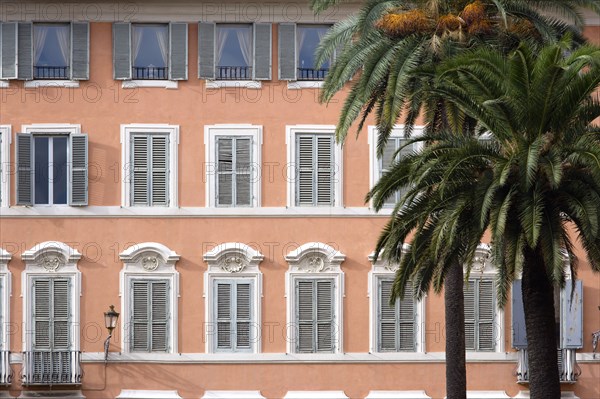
{"points": [[140, 332], [485, 316], [80, 50], [388, 157], [25, 51], [262, 51], [41, 314], [325, 170], [470, 316], [8, 45], [79, 170], [571, 316], [160, 316], [61, 314], [225, 171], [160, 170], [387, 321], [122, 50], [224, 315], [233, 315], [325, 316], [24, 148], [305, 316], [243, 315], [150, 316], [287, 51], [406, 321], [305, 179], [519, 334], [178, 51], [206, 50], [140, 168], [243, 172]]}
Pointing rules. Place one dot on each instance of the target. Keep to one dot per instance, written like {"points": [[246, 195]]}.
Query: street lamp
{"points": [[110, 321]]}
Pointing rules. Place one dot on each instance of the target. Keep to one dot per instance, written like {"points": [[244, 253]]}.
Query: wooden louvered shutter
{"points": [[178, 56], [206, 50], [243, 315], [224, 316], [41, 314], [140, 167], [225, 171], [25, 51], [305, 181], [325, 322], [387, 318], [470, 321], [150, 316], [80, 50], [122, 50], [61, 314], [305, 316], [243, 173], [519, 335], [140, 333], [287, 51], [571, 316], [406, 321], [78, 164], [160, 316], [24, 150], [325, 168], [8, 48], [485, 316], [385, 161], [262, 51], [160, 170]]}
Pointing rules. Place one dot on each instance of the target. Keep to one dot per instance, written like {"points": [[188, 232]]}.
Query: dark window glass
{"points": [[150, 51], [308, 38], [51, 50]]}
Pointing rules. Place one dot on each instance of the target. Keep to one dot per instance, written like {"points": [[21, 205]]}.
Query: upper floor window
{"points": [[56, 51], [234, 51], [233, 153], [298, 44], [150, 51], [150, 162], [149, 292], [52, 165], [315, 161]]}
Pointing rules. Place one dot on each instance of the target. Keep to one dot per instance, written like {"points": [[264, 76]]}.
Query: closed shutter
{"points": [[224, 316], [315, 316], [25, 51], [519, 334], [178, 51], [287, 51], [233, 310], [243, 315], [315, 177], [79, 169], [80, 50], [486, 311], [24, 157], [396, 323], [325, 170], [140, 181], [305, 186], [51, 314], [61, 313], [571, 315], [206, 50], [324, 316], [470, 316], [234, 171], [1, 314], [8, 46], [150, 316], [122, 50], [262, 51], [305, 316], [406, 321], [149, 170], [160, 170]]}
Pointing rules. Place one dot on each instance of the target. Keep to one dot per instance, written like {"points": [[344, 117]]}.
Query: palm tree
{"points": [[534, 183]]}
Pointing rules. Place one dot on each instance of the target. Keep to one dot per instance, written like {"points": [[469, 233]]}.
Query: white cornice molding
{"points": [[139, 252]]}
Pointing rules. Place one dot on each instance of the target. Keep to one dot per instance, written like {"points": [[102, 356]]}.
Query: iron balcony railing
{"points": [[311, 74], [150, 73], [568, 369], [234, 73], [45, 367], [50, 72], [6, 373]]}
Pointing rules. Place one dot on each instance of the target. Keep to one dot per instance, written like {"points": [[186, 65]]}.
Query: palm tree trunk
{"points": [[538, 303], [456, 372]]}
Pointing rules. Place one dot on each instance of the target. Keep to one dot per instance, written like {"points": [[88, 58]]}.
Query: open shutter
{"points": [[24, 157], [41, 314], [325, 170], [243, 315], [469, 295], [160, 170], [287, 51], [160, 316], [80, 50], [262, 51], [485, 319], [225, 171], [224, 316], [8, 46], [406, 320], [243, 171], [305, 181], [519, 335], [122, 50], [325, 316], [79, 170], [178, 51], [206, 50], [61, 314], [25, 51], [140, 170], [140, 334], [387, 318], [571, 316], [385, 161], [305, 315]]}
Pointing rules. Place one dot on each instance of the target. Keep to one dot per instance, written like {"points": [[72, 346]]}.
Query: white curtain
{"points": [[63, 36], [162, 36], [300, 36], [222, 34], [39, 39], [137, 34], [321, 33], [244, 36]]}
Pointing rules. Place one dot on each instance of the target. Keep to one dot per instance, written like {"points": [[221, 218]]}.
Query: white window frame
{"points": [[381, 269], [315, 261], [211, 133], [149, 261], [482, 268], [6, 293], [172, 131], [374, 160], [230, 261], [291, 132], [46, 260], [6, 139]]}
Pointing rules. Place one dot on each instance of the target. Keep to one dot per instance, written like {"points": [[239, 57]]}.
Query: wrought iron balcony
{"points": [[6, 373], [568, 369], [234, 73], [45, 367], [311, 74], [150, 73], [50, 72]]}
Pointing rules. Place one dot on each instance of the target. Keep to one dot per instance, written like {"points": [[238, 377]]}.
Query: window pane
{"points": [[51, 49], [234, 52], [59, 167], [41, 169], [150, 50], [307, 41]]}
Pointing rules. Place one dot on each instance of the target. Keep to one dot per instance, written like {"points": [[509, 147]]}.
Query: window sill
{"points": [[305, 84], [30, 84], [241, 84], [4, 84], [163, 84]]}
